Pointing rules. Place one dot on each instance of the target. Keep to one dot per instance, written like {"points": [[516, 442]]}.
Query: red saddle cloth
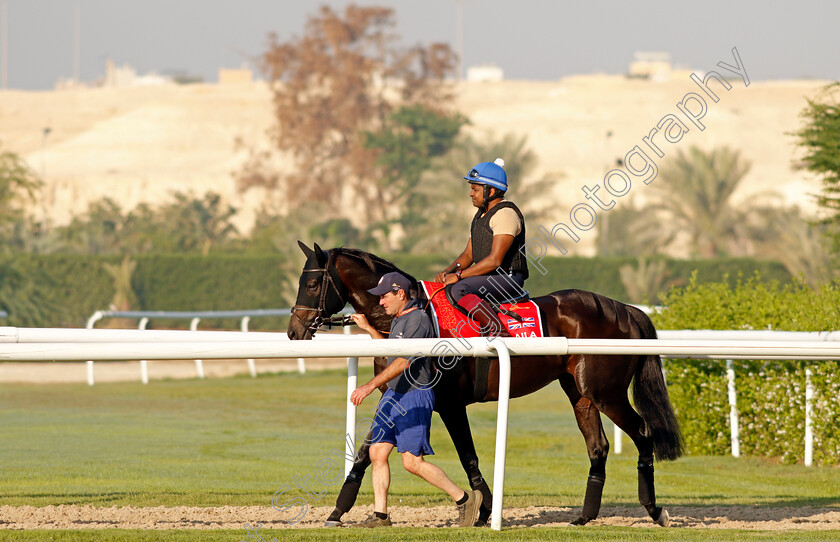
{"points": [[452, 323]]}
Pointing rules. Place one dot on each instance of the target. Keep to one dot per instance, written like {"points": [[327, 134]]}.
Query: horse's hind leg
{"points": [[597, 446], [631, 423], [350, 490], [454, 417]]}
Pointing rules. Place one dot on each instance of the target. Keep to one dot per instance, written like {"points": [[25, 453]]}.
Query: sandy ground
{"points": [[236, 517]]}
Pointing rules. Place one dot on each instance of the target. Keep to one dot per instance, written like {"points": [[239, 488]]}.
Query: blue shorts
{"points": [[404, 420]]}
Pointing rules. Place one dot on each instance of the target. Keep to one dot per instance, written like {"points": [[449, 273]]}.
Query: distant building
{"points": [[235, 77], [655, 66], [119, 76], [126, 76], [485, 73]]}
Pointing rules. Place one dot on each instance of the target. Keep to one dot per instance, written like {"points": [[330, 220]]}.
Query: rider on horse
{"points": [[493, 266]]}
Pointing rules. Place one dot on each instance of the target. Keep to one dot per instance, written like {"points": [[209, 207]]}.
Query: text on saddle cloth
{"points": [[452, 323]]}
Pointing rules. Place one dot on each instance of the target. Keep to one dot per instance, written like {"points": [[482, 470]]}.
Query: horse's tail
{"points": [[650, 395]]}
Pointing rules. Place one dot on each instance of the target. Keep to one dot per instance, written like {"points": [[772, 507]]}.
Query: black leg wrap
{"points": [[347, 496], [592, 500], [647, 494], [478, 483]]}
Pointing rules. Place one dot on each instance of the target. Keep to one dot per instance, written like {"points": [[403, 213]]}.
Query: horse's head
{"points": [[320, 294], [333, 278]]}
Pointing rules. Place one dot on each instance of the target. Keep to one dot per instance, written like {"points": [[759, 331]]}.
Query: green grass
{"points": [[237, 441]]}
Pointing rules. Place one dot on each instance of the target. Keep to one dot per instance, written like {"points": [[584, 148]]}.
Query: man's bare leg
{"points": [[381, 475]]}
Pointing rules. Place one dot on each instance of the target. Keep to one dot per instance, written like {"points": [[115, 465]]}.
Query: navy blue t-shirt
{"points": [[414, 324]]}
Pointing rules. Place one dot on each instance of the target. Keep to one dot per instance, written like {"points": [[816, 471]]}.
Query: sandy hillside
{"points": [[138, 144]]}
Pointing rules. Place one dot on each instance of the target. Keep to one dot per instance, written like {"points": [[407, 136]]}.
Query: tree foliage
{"points": [[405, 147], [695, 191], [800, 243], [820, 139], [338, 81], [628, 230], [647, 281], [186, 224], [19, 185]]}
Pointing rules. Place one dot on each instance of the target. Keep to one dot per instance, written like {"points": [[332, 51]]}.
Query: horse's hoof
{"points": [[664, 519], [333, 523], [580, 521], [480, 523]]}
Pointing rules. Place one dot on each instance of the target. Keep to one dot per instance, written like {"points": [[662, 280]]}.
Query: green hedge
{"points": [[602, 274], [224, 282], [770, 394], [64, 290]]}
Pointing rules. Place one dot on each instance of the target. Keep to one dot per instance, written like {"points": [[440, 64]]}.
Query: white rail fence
{"points": [[201, 348], [245, 315], [194, 317], [57, 335]]}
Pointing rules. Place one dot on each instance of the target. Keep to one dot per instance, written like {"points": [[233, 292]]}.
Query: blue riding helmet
{"points": [[489, 174]]}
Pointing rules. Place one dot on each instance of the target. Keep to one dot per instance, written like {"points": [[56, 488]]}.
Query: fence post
{"points": [[350, 426], [501, 431], [252, 367], [616, 439], [95, 317], [199, 365], [144, 364], [733, 409], [809, 411]]}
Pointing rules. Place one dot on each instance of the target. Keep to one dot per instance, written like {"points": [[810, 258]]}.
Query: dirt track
{"points": [[236, 517]]}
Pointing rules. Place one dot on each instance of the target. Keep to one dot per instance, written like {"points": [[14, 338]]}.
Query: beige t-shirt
{"points": [[505, 222]]}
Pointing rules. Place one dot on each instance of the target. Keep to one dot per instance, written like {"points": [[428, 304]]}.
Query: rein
{"points": [[436, 292]]}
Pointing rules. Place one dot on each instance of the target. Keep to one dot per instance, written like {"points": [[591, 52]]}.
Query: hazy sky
{"points": [[529, 39]]}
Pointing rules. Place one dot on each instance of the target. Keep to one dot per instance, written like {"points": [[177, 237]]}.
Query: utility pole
{"points": [[4, 44], [459, 37], [77, 43]]}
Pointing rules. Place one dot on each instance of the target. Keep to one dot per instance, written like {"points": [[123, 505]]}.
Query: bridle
{"points": [[322, 317]]}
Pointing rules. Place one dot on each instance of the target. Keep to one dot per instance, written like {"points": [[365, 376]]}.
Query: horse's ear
{"points": [[306, 250], [321, 256]]}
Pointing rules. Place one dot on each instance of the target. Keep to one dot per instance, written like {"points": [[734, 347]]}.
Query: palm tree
{"points": [[627, 230], [802, 245], [695, 195], [645, 282], [124, 297]]}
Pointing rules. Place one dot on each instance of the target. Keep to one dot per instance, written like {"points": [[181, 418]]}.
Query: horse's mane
{"points": [[375, 263]]}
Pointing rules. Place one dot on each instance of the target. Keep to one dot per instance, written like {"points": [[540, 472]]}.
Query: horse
{"points": [[594, 383]]}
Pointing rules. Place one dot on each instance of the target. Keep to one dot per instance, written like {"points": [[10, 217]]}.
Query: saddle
{"points": [[522, 319]]}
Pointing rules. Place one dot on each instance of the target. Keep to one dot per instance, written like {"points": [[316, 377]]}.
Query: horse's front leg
{"points": [[454, 416], [350, 490]]}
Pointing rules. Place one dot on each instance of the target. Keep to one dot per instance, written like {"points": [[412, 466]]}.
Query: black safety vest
{"points": [[482, 240]]}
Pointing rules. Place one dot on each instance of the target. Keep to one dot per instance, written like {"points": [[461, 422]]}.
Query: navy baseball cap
{"points": [[391, 282]]}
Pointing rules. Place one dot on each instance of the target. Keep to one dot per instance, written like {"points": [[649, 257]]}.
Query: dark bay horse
{"points": [[594, 383]]}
